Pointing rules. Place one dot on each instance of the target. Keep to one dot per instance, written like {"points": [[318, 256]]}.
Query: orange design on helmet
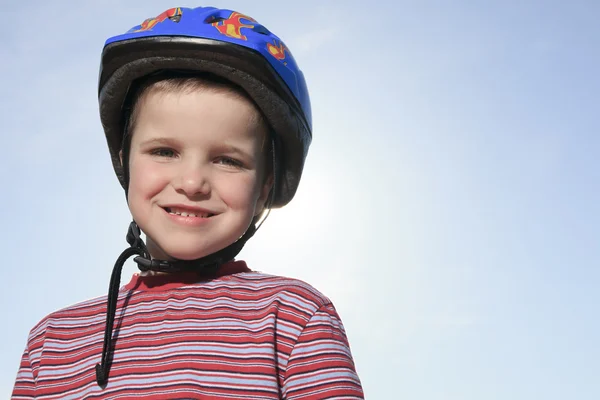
{"points": [[233, 25], [277, 50], [174, 14]]}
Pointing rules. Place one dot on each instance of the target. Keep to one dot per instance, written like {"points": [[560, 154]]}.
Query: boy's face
{"points": [[198, 153]]}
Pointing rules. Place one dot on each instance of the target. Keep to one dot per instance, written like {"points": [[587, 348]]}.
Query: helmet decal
{"points": [[277, 49], [174, 14], [233, 25]]}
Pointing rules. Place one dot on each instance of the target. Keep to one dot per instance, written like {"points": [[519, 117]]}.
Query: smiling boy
{"points": [[207, 119], [198, 173]]}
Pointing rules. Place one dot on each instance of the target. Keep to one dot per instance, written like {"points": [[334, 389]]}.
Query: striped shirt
{"points": [[241, 335]]}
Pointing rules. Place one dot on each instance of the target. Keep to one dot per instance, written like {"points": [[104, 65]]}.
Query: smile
{"points": [[187, 213]]}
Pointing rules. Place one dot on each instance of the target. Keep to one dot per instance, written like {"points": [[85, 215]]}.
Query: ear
{"points": [[265, 191]]}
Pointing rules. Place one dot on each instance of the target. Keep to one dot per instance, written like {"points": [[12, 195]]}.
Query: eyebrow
{"points": [[159, 141], [229, 148]]}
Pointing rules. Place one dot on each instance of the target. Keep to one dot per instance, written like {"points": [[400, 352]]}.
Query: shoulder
{"points": [[87, 312], [281, 287]]}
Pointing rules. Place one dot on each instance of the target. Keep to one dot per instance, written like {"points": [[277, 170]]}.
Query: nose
{"points": [[193, 180]]}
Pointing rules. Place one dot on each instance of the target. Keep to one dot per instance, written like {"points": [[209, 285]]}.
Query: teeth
{"points": [[185, 214]]}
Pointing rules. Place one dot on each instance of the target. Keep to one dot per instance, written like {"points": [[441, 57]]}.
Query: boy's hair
{"points": [[180, 83]]}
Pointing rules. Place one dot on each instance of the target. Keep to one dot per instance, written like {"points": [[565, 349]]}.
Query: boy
{"points": [[207, 119]]}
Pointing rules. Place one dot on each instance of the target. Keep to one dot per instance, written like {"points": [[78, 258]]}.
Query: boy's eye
{"points": [[229, 162], [163, 152]]}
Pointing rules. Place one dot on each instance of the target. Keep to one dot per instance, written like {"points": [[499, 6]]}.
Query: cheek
{"points": [[239, 193], [145, 178]]}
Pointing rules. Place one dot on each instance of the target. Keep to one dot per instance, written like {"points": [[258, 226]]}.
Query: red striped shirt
{"points": [[242, 335]]}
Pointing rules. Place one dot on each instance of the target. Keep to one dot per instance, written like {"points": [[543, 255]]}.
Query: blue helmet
{"points": [[220, 42]]}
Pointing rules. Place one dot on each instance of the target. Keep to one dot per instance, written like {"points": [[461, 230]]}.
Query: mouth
{"points": [[184, 212]]}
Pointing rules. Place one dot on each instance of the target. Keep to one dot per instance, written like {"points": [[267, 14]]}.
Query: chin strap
{"points": [[206, 266]]}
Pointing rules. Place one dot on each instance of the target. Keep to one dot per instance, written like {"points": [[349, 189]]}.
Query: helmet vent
{"points": [[212, 19], [175, 18], [261, 29]]}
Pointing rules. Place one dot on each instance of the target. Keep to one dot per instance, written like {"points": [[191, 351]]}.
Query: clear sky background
{"points": [[449, 205]]}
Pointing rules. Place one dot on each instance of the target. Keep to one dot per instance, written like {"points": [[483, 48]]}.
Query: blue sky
{"points": [[449, 205]]}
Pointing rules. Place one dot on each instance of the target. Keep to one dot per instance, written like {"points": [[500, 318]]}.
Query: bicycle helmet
{"points": [[224, 43], [203, 40]]}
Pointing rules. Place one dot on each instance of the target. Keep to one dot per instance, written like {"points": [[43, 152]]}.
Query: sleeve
{"points": [[320, 365], [25, 384]]}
